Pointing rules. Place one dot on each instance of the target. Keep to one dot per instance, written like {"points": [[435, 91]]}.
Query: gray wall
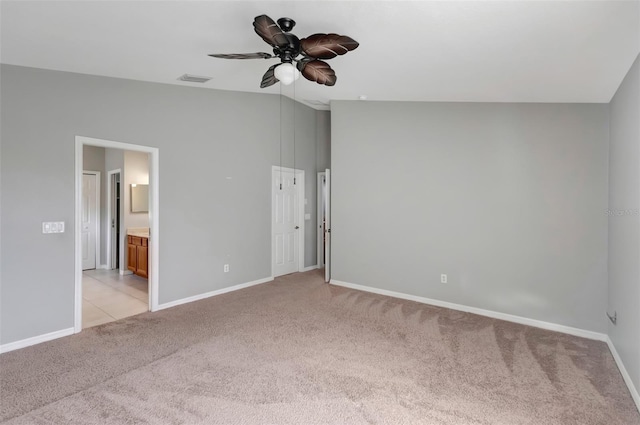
{"points": [[509, 200], [323, 134], [624, 221], [206, 220], [93, 159], [114, 159]]}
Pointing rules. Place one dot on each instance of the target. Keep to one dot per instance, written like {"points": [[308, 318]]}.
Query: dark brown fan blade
{"points": [[269, 78], [318, 71], [269, 31], [259, 55], [327, 46]]}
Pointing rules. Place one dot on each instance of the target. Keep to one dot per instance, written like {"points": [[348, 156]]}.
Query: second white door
{"points": [[285, 222], [327, 228]]}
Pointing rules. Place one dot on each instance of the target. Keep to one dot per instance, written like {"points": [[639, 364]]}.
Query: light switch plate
{"points": [[52, 227]]}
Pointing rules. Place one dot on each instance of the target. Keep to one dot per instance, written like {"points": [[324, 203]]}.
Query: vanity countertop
{"points": [[141, 232]]}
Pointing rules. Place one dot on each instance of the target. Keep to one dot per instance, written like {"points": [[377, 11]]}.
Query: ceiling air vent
{"points": [[193, 78]]}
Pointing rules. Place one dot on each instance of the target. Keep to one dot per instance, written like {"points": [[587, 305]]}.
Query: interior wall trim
{"points": [[482, 312], [511, 318], [625, 375], [214, 293], [16, 345]]}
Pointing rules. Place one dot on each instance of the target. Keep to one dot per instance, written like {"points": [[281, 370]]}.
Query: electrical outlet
{"points": [[443, 278], [226, 268]]}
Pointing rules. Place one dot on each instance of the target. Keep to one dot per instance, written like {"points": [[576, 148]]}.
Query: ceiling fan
{"points": [[306, 53]]}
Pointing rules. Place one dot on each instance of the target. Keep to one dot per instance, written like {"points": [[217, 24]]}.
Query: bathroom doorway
{"points": [[114, 290], [111, 292]]}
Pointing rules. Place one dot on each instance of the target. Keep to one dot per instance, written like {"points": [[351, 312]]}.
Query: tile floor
{"points": [[107, 296]]}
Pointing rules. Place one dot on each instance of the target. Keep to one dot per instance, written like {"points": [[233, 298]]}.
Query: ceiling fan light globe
{"points": [[286, 73]]}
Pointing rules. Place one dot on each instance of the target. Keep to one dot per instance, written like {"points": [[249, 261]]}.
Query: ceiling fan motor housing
{"points": [[290, 51]]}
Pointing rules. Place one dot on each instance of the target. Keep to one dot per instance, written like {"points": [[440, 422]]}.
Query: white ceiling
{"points": [[489, 51]]}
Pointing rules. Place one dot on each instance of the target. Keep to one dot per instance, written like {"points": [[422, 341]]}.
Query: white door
{"points": [[89, 220], [321, 208], [284, 223], [327, 218]]}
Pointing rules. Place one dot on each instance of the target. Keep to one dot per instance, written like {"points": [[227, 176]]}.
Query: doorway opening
{"points": [[131, 293], [109, 292], [287, 220]]}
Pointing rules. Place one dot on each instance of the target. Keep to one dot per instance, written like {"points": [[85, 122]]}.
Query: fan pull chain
{"points": [[280, 136], [294, 132]]}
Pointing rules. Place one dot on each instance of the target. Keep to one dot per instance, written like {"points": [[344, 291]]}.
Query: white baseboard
{"points": [[306, 269], [488, 313], [16, 345], [624, 373], [213, 293], [125, 272], [103, 267], [4, 348]]}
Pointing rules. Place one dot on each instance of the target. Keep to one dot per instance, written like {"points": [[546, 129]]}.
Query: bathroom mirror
{"points": [[139, 198]]}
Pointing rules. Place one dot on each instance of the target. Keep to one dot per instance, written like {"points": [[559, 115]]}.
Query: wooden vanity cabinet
{"points": [[138, 255], [132, 255]]}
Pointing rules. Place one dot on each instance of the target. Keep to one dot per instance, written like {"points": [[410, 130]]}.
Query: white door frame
{"points": [[98, 215], [109, 218], [154, 222], [320, 229], [327, 242], [299, 176]]}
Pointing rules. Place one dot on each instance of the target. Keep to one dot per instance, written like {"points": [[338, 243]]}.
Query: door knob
{"points": [[297, 227]]}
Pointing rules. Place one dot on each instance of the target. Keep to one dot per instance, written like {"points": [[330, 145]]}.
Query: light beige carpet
{"points": [[299, 351]]}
